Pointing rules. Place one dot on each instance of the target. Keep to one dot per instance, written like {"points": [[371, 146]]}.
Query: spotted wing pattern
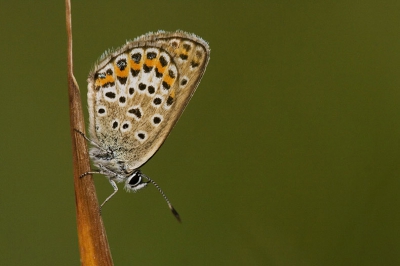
{"points": [[137, 93]]}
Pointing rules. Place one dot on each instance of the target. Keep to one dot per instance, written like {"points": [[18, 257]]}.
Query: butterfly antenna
{"points": [[174, 212]]}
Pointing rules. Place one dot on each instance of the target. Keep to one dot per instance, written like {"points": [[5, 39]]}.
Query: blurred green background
{"points": [[288, 153]]}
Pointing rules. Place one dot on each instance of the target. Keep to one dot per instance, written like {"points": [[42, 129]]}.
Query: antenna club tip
{"points": [[175, 213]]}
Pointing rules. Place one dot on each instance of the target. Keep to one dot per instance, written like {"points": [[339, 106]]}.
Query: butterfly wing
{"points": [[137, 93]]}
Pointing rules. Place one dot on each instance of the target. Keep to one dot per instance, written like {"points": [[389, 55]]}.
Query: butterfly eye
{"points": [[135, 179], [135, 182]]}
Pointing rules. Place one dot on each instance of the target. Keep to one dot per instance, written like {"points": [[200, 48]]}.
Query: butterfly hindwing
{"points": [[137, 93]]}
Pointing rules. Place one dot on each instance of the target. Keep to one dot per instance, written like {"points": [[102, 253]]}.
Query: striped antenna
{"points": [[174, 212]]}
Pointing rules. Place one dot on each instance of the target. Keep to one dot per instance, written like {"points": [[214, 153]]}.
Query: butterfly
{"points": [[136, 94]]}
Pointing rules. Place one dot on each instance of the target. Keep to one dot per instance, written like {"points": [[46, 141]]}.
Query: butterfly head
{"points": [[135, 182]]}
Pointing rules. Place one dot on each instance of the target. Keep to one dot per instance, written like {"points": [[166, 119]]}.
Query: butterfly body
{"points": [[136, 94]]}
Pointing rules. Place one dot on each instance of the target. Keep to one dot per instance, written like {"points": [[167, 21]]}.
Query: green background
{"points": [[288, 153]]}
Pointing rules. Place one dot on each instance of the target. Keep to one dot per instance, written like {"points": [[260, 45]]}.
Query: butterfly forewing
{"points": [[137, 93]]}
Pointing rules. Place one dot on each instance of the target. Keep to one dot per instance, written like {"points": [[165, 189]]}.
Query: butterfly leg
{"points": [[90, 141], [112, 194], [103, 171], [89, 173]]}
